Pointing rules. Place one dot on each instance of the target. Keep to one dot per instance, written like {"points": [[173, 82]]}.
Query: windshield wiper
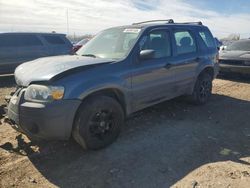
{"points": [[89, 55]]}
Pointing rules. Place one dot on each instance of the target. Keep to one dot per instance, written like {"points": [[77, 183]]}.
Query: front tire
{"points": [[98, 122], [202, 89]]}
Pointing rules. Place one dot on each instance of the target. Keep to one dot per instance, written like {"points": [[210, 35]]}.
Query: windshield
{"points": [[239, 46], [114, 43]]}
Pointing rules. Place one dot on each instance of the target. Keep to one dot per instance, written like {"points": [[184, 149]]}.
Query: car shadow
{"points": [[2, 112], [158, 146], [22, 148]]}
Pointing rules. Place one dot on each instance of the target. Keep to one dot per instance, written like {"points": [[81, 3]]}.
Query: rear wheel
{"points": [[202, 89], [98, 122]]}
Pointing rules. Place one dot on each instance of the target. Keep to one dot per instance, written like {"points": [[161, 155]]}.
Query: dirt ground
{"points": [[173, 144]]}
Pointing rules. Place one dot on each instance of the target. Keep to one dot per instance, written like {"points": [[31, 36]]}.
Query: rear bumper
{"points": [[224, 68], [47, 121]]}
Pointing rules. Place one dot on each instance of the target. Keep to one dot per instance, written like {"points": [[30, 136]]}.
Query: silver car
{"points": [[236, 58]]}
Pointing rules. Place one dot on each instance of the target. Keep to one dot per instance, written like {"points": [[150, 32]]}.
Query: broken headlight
{"points": [[43, 93]]}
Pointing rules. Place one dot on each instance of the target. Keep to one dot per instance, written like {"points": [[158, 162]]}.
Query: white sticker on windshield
{"points": [[132, 30]]}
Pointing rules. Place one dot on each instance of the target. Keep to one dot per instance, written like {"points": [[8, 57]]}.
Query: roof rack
{"points": [[171, 21], [198, 23], [149, 21]]}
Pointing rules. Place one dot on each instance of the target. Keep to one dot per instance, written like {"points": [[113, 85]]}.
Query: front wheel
{"points": [[202, 89], [98, 122]]}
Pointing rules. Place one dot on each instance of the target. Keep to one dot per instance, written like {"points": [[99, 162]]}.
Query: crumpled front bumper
{"points": [[48, 121]]}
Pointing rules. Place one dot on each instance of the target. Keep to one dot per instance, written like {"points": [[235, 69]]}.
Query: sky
{"points": [[223, 17]]}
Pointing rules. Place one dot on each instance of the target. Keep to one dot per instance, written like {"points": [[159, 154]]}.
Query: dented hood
{"points": [[43, 69]]}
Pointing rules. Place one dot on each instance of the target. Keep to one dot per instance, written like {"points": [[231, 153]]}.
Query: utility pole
{"points": [[67, 15]]}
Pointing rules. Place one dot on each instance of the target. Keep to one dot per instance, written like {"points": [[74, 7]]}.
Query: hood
{"points": [[236, 55], [43, 69]]}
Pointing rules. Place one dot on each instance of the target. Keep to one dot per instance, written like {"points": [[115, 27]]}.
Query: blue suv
{"points": [[120, 71]]}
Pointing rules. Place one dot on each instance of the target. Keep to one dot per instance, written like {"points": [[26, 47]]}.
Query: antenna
{"points": [[67, 17]]}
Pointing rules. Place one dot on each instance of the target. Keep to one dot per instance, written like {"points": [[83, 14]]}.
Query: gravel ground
{"points": [[173, 144]]}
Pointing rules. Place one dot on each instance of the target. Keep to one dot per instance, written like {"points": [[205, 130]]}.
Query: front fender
{"points": [[84, 89]]}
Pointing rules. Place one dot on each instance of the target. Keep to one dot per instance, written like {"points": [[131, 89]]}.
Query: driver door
{"points": [[152, 79]]}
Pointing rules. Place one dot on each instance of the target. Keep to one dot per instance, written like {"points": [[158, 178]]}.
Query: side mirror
{"points": [[147, 54]]}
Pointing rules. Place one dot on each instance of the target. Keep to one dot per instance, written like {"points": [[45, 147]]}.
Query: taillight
{"points": [[75, 48]]}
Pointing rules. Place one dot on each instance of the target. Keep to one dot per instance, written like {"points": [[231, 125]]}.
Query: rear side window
{"points": [[184, 42], [159, 41], [55, 40], [207, 39], [19, 41]]}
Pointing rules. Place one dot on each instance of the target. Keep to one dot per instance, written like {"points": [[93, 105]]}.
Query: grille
{"points": [[233, 62]]}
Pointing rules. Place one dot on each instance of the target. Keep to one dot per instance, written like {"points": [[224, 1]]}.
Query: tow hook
{"points": [[8, 97]]}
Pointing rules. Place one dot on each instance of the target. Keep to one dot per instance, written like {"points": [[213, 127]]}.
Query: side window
{"points": [[29, 40], [184, 42], [55, 40], [207, 38], [158, 41]]}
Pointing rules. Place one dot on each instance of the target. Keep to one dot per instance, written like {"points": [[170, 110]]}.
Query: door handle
{"points": [[168, 66]]}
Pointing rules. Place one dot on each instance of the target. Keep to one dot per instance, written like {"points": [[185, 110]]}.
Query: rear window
{"points": [[19, 41], [207, 38], [54, 40]]}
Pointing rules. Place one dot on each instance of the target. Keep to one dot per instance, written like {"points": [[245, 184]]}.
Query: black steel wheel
{"points": [[98, 122]]}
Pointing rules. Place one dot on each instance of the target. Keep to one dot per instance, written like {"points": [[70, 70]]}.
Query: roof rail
{"points": [[198, 23], [168, 21]]}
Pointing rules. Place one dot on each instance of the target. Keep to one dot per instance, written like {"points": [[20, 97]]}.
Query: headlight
{"points": [[43, 93]]}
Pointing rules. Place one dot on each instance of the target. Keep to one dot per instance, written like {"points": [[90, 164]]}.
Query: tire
{"points": [[202, 89], [98, 122]]}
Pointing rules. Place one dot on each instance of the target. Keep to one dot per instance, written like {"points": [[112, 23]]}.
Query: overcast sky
{"points": [[89, 17]]}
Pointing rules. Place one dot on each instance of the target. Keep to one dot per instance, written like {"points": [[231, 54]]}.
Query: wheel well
{"points": [[208, 70], [113, 93]]}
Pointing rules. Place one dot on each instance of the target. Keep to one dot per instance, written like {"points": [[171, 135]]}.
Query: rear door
{"points": [[152, 79], [186, 59]]}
